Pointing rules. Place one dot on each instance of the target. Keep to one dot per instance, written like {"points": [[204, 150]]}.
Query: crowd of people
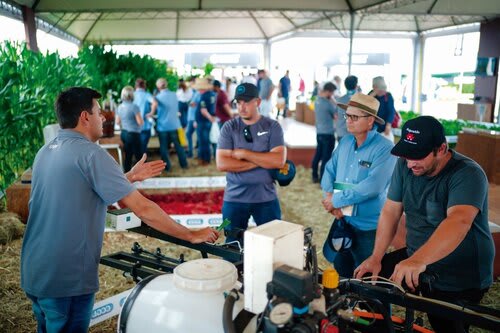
{"points": [[193, 108], [368, 183]]}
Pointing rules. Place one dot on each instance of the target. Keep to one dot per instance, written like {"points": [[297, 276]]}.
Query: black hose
{"points": [[227, 312]]}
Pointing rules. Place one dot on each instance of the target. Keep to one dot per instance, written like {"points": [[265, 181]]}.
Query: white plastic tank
{"points": [[189, 300]]}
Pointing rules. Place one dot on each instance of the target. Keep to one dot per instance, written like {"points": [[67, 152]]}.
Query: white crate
{"points": [[267, 247], [122, 219]]}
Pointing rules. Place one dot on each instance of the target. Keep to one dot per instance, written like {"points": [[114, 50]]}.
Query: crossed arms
{"points": [[240, 160]]}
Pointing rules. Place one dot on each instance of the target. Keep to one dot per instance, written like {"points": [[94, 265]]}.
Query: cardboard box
{"points": [[309, 116], [122, 219], [299, 112], [472, 111]]}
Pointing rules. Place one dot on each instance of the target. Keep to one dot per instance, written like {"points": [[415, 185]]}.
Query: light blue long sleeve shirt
{"points": [[191, 116], [143, 100], [168, 109], [369, 169]]}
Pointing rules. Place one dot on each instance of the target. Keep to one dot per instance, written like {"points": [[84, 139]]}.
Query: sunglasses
{"points": [[247, 134], [353, 117]]}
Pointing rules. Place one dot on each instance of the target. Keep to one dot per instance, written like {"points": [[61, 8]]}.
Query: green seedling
{"points": [[224, 224]]}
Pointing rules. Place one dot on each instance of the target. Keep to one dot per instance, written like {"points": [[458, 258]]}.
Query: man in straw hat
{"points": [[445, 198], [356, 179], [205, 117]]}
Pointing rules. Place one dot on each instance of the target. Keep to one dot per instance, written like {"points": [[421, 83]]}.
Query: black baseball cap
{"points": [[246, 92], [419, 137]]}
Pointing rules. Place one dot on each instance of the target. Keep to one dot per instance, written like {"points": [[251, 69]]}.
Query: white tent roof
{"points": [[119, 21]]}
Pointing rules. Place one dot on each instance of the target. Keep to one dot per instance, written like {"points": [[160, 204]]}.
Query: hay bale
{"points": [[11, 227]]}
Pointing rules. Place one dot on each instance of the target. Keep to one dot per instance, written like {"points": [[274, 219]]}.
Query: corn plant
{"points": [[110, 71], [29, 85]]}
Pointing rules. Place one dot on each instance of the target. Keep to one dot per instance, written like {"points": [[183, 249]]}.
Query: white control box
{"points": [[267, 247], [122, 219]]}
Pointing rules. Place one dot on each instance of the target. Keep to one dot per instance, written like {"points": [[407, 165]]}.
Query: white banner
{"points": [[181, 182], [108, 308], [199, 220]]}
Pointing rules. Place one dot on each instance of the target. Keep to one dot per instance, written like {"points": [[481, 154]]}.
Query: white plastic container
{"points": [[189, 300]]}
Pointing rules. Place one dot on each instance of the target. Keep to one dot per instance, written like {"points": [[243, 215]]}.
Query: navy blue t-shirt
{"points": [[207, 101], [386, 111], [285, 86]]}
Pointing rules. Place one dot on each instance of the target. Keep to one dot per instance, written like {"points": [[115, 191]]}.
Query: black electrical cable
{"points": [[227, 312]]}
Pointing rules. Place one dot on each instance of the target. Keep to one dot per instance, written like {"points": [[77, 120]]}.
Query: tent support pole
{"points": [[351, 38]]}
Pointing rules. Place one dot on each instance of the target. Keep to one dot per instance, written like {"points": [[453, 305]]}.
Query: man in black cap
{"points": [[445, 198], [249, 146]]}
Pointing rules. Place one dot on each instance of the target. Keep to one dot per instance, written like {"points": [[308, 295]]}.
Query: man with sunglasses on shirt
{"points": [[360, 170], [444, 196], [249, 146]]}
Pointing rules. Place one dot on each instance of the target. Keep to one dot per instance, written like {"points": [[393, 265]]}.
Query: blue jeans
{"points": [[62, 314], [189, 134], [166, 138], [287, 100], [183, 110], [145, 135], [132, 147], [362, 247], [324, 149], [203, 133], [239, 213]]}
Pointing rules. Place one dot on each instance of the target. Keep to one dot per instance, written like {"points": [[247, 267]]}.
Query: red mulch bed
{"points": [[186, 203]]}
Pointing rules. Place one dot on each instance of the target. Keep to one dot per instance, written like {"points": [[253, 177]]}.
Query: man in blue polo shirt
{"points": [[205, 117], [326, 112], [168, 123], [73, 182], [362, 164], [249, 146], [284, 92], [144, 100]]}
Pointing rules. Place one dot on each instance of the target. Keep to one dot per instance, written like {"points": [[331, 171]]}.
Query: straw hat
{"points": [[364, 103], [202, 84]]}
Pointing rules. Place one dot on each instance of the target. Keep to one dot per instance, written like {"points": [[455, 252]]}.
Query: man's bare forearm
{"points": [[386, 229], [268, 160], [230, 164], [207, 114]]}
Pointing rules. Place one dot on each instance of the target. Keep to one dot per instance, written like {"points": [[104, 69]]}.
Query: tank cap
{"points": [[205, 275], [330, 278]]}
